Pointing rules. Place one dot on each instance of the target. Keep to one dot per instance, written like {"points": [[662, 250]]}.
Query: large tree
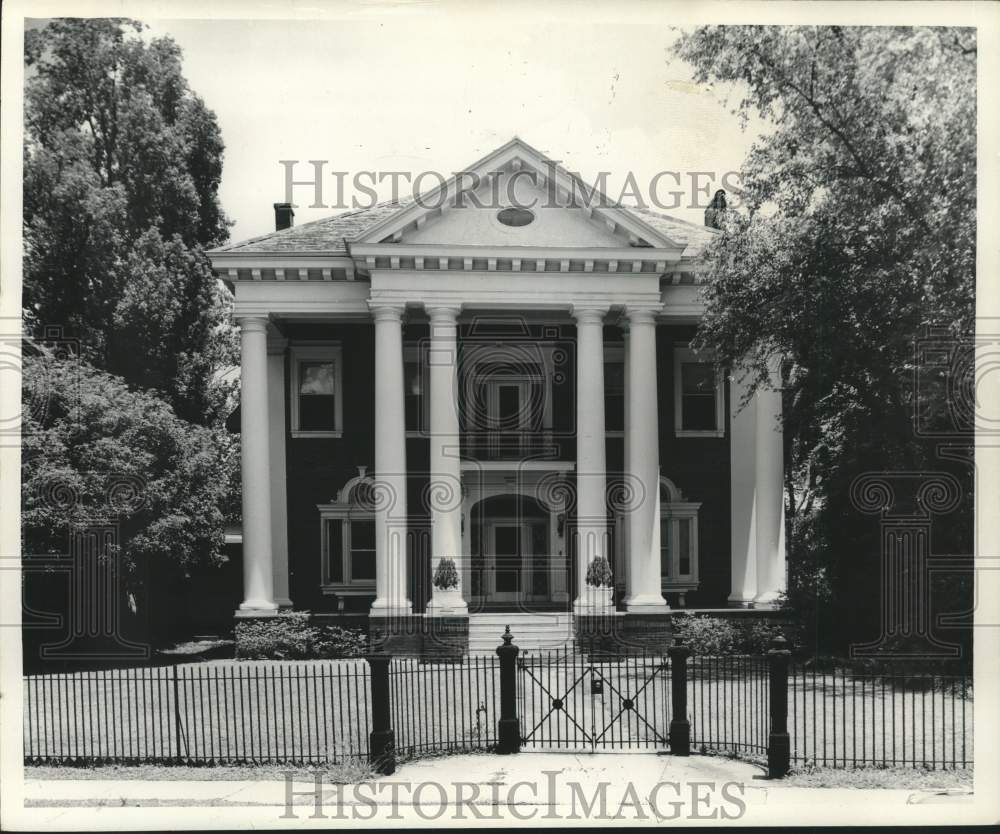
{"points": [[855, 234], [122, 163], [121, 173]]}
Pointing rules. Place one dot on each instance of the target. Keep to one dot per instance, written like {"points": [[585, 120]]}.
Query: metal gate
{"points": [[569, 701]]}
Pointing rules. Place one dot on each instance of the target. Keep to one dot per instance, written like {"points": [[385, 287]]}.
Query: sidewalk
{"points": [[480, 789]]}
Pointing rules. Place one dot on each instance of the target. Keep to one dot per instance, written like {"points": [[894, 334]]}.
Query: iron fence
{"points": [[891, 718], [444, 707], [729, 704], [269, 712], [316, 712]]}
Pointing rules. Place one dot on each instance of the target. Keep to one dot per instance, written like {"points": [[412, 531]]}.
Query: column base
{"points": [[769, 600], [257, 608], [647, 604], [283, 602], [447, 604], [395, 608], [739, 601]]}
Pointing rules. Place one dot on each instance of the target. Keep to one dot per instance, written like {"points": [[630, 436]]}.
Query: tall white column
{"points": [[591, 459], [643, 465], [445, 461], [279, 495], [258, 572], [771, 581], [390, 466], [743, 496]]}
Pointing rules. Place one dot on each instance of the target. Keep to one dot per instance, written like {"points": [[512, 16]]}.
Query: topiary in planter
{"points": [[446, 575], [599, 573]]}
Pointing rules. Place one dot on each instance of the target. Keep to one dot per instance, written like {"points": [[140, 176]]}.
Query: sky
{"points": [[429, 93]]}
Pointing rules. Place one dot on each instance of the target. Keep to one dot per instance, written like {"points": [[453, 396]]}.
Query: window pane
{"points": [[335, 551], [317, 400], [698, 413], [362, 565], [509, 405], [665, 548], [316, 378], [697, 378], [363, 534], [317, 413], [685, 548]]}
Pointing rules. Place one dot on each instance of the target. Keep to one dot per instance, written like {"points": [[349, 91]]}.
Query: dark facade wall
{"points": [[318, 468], [699, 467]]}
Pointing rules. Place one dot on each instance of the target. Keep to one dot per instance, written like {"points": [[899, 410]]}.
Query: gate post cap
{"points": [[508, 644]]}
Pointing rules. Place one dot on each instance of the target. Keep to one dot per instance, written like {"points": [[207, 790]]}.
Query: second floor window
{"points": [[699, 404], [317, 391]]}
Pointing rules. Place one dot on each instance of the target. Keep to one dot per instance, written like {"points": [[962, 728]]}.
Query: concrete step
{"points": [[543, 630]]}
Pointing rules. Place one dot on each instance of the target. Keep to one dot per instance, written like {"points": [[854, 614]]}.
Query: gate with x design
{"points": [[593, 701]]}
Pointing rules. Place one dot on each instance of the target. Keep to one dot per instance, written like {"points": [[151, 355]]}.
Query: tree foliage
{"points": [[122, 163], [97, 451], [121, 173], [855, 235]]}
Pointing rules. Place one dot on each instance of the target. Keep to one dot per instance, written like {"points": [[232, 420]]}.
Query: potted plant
{"points": [[447, 596], [599, 581]]}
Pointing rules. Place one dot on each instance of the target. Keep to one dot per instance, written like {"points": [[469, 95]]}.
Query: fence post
{"points": [[382, 741], [779, 747], [680, 727], [508, 727], [177, 717]]}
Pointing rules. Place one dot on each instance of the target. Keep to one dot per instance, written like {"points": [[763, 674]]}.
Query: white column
{"points": [[445, 461], [258, 573], [591, 462], [390, 466], [742, 495], [770, 496], [279, 496], [643, 466]]}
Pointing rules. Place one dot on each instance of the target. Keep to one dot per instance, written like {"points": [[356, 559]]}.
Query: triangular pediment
{"points": [[516, 197]]}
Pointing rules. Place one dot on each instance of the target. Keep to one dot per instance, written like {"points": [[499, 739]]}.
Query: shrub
{"points": [[335, 641], [706, 635], [599, 573], [446, 575], [284, 637], [292, 636], [723, 635]]}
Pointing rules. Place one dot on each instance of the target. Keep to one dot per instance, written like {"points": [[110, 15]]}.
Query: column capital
{"points": [[252, 324], [641, 315], [589, 314], [382, 311], [443, 313]]}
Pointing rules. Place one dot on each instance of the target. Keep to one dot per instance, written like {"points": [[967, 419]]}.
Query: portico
{"points": [[528, 457]]}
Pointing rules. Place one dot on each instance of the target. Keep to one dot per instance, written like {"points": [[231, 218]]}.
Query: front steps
{"points": [[533, 631]]}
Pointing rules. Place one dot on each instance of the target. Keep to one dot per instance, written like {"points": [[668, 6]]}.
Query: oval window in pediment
{"points": [[515, 216]]}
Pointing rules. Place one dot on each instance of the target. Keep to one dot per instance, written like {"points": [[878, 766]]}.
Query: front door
{"points": [[508, 560]]}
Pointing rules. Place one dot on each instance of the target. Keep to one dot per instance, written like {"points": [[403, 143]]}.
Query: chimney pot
{"points": [[284, 217]]}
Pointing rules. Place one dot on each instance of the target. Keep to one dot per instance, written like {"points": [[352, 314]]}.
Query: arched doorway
{"points": [[510, 546]]}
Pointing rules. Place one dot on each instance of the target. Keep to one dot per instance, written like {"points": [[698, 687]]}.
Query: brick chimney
{"points": [[716, 210], [284, 217]]}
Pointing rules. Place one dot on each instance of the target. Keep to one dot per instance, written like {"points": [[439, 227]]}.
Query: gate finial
{"points": [[507, 636]]}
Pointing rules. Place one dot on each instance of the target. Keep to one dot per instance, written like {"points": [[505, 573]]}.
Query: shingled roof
{"points": [[329, 234]]}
